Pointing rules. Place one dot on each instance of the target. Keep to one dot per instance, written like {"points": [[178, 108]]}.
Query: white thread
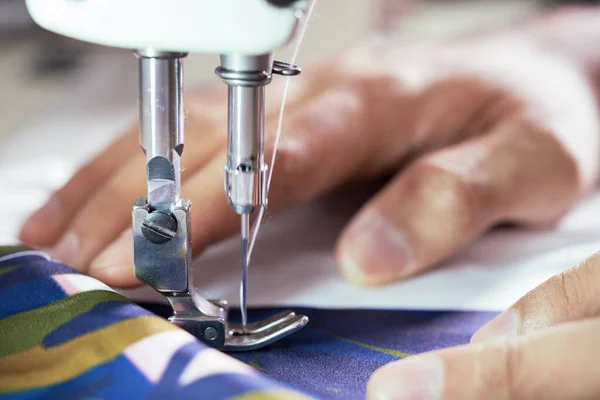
{"points": [[261, 212]]}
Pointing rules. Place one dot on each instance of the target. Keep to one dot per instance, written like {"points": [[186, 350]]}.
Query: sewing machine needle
{"points": [[245, 227]]}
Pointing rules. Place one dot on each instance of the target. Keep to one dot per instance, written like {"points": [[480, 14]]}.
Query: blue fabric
{"points": [[336, 353], [331, 358], [101, 315], [25, 296], [117, 379], [36, 269]]}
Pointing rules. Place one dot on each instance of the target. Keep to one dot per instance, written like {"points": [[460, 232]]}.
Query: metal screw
{"points": [[210, 333], [285, 69], [159, 227]]}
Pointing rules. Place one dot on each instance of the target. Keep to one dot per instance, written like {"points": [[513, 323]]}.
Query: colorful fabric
{"points": [[65, 335]]}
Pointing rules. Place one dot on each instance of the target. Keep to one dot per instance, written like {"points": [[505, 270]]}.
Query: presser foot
{"points": [[162, 260], [217, 332], [263, 333]]}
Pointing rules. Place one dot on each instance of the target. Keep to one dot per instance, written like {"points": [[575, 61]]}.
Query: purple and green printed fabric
{"points": [[64, 335]]}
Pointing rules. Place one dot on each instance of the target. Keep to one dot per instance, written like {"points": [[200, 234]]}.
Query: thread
{"points": [[295, 53]]}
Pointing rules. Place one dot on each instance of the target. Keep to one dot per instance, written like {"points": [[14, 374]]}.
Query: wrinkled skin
{"points": [[545, 346], [476, 132]]}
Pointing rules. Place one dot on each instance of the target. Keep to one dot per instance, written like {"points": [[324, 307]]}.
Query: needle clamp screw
{"points": [[210, 333], [159, 227]]}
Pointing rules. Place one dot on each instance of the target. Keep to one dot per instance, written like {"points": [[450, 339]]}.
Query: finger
{"points": [[312, 159], [52, 221], [570, 296], [114, 265], [108, 211], [47, 224], [442, 201], [324, 143], [558, 363], [103, 217]]}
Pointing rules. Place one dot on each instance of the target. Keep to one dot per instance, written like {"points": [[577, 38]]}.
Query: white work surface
{"points": [[293, 261]]}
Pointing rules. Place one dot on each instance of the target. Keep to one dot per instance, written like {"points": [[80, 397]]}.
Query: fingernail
{"points": [[45, 216], [505, 325], [418, 378], [374, 252], [119, 253], [67, 250]]}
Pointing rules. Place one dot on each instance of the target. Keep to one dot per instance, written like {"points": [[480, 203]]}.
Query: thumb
{"points": [[569, 296], [558, 363], [444, 200]]}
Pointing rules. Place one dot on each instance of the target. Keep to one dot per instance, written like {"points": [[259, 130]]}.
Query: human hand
{"points": [[477, 132], [545, 346]]}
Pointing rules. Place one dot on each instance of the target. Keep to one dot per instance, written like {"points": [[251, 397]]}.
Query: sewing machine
{"points": [[245, 33]]}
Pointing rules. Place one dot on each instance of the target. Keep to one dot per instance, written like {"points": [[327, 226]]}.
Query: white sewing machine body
{"points": [[250, 27]]}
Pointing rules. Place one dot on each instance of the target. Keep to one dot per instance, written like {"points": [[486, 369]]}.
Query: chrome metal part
{"points": [[163, 266], [285, 69], [263, 333], [161, 221], [246, 171], [161, 123]]}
